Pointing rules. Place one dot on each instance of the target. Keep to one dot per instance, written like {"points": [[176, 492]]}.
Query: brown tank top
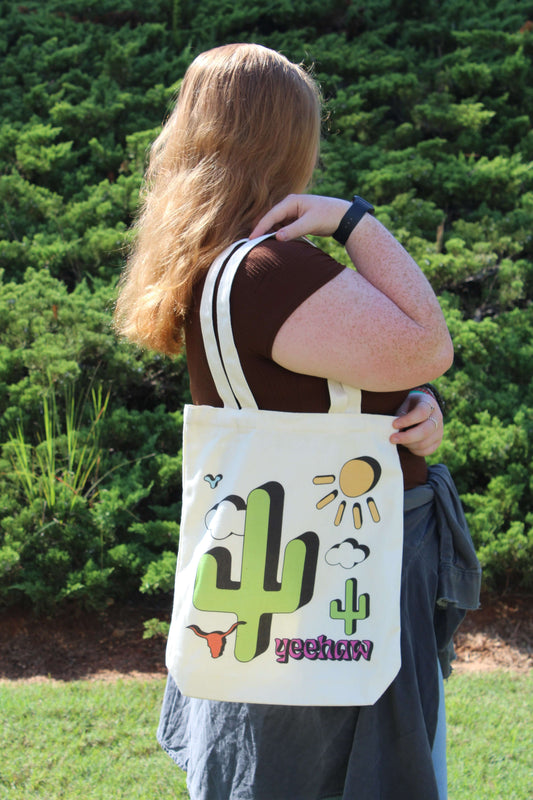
{"points": [[271, 282]]}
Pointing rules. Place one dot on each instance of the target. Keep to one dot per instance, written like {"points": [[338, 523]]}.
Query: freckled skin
{"points": [[381, 327]]}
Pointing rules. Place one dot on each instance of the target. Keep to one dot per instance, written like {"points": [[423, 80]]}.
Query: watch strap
{"points": [[354, 214]]}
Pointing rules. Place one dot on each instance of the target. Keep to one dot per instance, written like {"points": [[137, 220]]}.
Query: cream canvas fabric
{"points": [[288, 578]]}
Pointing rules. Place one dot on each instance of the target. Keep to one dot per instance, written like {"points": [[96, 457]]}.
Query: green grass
{"points": [[84, 741], [96, 740], [490, 740]]}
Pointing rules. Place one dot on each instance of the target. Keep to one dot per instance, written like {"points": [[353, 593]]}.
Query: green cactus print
{"points": [[258, 594], [352, 611]]}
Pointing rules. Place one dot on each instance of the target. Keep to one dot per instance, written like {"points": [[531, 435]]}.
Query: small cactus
{"points": [[352, 610]]}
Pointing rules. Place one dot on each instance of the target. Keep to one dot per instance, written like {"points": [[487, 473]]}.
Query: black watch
{"points": [[354, 214]]}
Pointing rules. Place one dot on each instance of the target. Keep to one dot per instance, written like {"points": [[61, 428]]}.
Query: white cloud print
{"points": [[226, 518], [347, 554]]}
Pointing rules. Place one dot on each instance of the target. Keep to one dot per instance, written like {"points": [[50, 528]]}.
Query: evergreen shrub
{"points": [[428, 115]]}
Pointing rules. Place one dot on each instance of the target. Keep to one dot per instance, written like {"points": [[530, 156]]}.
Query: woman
{"points": [[231, 162]]}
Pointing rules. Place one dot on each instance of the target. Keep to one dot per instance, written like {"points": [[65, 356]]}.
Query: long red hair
{"points": [[244, 133]]}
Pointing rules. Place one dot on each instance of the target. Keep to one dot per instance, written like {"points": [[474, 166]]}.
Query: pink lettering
{"points": [[311, 649], [342, 650], [326, 648], [323, 649], [282, 650], [296, 649], [363, 648]]}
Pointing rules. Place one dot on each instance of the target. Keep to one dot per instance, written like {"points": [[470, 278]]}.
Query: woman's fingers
{"points": [[302, 214], [278, 214], [417, 414], [422, 440], [419, 424]]}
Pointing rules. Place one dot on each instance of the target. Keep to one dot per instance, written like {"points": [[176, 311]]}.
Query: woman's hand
{"points": [[302, 214], [420, 424]]}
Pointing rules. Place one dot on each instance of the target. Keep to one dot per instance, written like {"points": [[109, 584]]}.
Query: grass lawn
{"points": [[490, 736], [95, 741], [84, 741]]}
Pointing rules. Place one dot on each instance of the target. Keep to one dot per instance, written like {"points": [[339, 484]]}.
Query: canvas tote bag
{"points": [[288, 575]]}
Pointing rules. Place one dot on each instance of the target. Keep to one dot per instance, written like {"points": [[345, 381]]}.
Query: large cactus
{"points": [[258, 594], [353, 609]]}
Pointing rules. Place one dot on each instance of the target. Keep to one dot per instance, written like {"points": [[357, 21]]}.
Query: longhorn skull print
{"points": [[216, 640]]}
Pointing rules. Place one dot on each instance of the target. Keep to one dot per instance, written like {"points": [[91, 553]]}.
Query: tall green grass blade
{"points": [[67, 452], [48, 473], [21, 462]]}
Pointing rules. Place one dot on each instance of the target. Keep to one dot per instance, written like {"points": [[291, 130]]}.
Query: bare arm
{"points": [[380, 328]]}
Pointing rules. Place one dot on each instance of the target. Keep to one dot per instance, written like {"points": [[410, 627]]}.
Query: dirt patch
{"points": [[499, 635], [75, 645], [110, 645]]}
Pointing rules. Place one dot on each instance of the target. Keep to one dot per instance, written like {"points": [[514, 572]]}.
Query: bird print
{"points": [[213, 481]]}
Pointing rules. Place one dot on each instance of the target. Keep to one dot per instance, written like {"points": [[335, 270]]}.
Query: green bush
{"points": [[90, 458], [427, 114]]}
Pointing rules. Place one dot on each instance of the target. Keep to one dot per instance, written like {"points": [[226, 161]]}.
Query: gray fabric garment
{"points": [[235, 751]]}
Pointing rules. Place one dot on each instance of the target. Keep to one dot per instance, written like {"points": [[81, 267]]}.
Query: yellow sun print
{"points": [[357, 477]]}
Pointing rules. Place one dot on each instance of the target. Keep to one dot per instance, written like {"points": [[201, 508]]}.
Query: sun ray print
{"points": [[374, 513], [357, 477], [340, 512], [327, 499]]}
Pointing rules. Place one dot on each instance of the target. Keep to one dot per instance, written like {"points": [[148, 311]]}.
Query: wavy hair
{"points": [[244, 133]]}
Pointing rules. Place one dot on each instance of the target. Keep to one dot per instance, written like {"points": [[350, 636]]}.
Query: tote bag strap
{"points": [[207, 322], [223, 358], [344, 399]]}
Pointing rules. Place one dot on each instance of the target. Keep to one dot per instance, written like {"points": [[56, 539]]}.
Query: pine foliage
{"points": [[428, 115]]}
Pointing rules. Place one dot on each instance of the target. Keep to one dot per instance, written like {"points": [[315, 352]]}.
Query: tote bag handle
{"points": [[222, 356]]}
